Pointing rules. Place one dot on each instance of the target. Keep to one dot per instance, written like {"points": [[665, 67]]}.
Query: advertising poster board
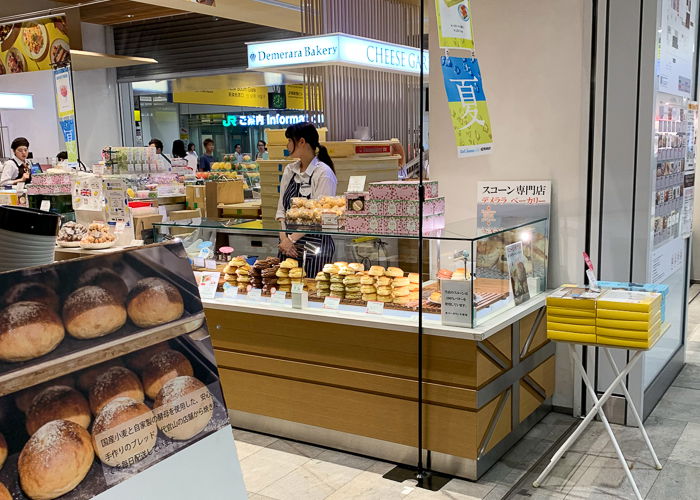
{"points": [[35, 45], [517, 273], [454, 18], [499, 201]]}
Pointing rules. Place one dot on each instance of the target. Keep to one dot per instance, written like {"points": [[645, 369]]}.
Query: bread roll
{"points": [[31, 292], [91, 312], [117, 415], [28, 330], [394, 272], [138, 360], [154, 301], [162, 367], [4, 493], [3, 453], [88, 376], [180, 390], [55, 460], [23, 399], [117, 382], [58, 402], [107, 279]]}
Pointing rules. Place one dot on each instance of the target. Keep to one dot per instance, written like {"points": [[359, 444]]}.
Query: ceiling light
{"points": [[16, 101]]}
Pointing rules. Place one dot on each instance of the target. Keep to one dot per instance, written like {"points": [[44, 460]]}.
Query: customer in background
{"points": [[237, 151], [207, 157], [192, 158], [262, 151], [179, 149], [162, 159], [17, 169], [62, 156]]}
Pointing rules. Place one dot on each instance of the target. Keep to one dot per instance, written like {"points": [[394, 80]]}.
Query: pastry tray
{"points": [[162, 260], [101, 477]]}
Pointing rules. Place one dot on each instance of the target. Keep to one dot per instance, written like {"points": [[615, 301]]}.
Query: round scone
{"points": [[154, 301], [124, 413], [4, 493], [58, 402], [3, 453], [91, 312], [55, 460], [138, 360], [28, 330], [88, 376], [24, 398], [30, 292], [117, 382], [162, 367], [180, 390], [107, 279]]}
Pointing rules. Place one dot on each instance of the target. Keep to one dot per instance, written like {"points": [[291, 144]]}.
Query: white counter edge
{"points": [[384, 322]]}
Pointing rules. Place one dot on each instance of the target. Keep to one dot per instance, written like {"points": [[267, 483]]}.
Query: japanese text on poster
{"points": [[498, 201], [454, 24]]}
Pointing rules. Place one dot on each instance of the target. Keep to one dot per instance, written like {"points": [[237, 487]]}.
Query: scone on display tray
{"points": [[98, 236]]}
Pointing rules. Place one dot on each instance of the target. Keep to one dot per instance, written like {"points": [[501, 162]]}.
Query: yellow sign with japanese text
{"points": [[250, 97]]}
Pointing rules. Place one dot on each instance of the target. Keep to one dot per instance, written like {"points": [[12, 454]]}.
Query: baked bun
{"points": [[115, 383], [376, 271], [162, 367], [88, 376], [91, 312], [413, 278], [30, 292], [107, 279], [3, 453], [357, 267], [24, 398], [330, 269], [55, 460], [119, 414], [58, 402], [138, 360], [367, 280], [289, 263], [383, 281], [154, 301], [399, 282], [394, 272], [4, 493], [28, 330], [180, 390]]}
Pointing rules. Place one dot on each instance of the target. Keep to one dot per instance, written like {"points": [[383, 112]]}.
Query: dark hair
{"points": [[190, 146], [63, 155], [306, 131], [179, 149], [19, 142], [157, 143], [207, 141], [264, 143], [237, 146]]}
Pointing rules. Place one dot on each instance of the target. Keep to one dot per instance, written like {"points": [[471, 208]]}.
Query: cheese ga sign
{"points": [[335, 49]]}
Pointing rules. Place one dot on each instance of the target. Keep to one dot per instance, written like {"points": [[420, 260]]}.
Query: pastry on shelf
{"points": [[98, 236]]}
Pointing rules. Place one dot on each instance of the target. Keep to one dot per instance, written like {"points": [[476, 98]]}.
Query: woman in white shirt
{"points": [[311, 177], [192, 158], [17, 169]]}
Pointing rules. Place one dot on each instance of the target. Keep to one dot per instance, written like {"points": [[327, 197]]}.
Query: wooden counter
{"points": [[351, 382]]}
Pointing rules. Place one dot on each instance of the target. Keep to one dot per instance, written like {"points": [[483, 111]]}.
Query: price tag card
{"points": [[255, 294], [119, 226], [279, 297], [210, 264], [198, 262], [456, 302], [356, 184], [230, 291], [297, 287], [208, 283], [331, 303], [45, 205], [374, 307]]}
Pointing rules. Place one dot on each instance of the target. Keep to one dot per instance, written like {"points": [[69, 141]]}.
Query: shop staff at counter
{"points": [[17, 169], [311, 177], [207, 157]]}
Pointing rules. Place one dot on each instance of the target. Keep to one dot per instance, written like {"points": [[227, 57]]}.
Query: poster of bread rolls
{"points": [[100, 373]]}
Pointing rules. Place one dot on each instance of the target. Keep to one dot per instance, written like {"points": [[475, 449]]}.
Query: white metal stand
{"points": [[598, 409]]}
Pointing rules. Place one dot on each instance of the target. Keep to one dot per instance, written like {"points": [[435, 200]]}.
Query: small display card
{"points": [[356, 184], [119, 226], [374, 307], [207, 283], [279, 297], [45, 205], [198, 262], [255, 294], [297, 287], [331, 303], [456, 302], [230, 291], [210, 264]]}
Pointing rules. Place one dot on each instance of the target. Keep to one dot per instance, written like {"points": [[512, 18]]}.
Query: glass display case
{"points": [[489, 272]]}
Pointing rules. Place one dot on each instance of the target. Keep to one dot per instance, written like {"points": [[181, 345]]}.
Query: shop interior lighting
{"points": [[526, 236], [16, 101], [156, 86]]}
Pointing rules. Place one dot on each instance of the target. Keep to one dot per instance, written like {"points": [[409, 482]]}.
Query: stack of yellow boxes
{"points": [[571, 314], [628, 319]]}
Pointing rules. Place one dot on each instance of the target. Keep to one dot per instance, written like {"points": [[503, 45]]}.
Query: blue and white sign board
{"points": [[337, 48]]}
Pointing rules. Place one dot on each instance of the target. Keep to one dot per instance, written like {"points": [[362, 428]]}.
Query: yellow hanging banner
{"points": [[251, 97]]}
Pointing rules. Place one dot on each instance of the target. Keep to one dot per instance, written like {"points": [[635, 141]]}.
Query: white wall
{"points": [[534, 58], [40, 125]]}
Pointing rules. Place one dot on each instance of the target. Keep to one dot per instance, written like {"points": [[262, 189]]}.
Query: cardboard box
{"points": [[223, 193], [145, 222], [183, 215], [195, 197]]}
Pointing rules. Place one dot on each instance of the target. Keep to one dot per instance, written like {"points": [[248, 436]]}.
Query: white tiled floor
{"points": [[278, 469]]}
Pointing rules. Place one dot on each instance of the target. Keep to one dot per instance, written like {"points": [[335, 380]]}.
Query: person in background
{"points": [[17, 169], [62, 156], [262, 151], [311, 177], [162, 159], [192, 158], [179, 149], [237, 152], [207, 157]]}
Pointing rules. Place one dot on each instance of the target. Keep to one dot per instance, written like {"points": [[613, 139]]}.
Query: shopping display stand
{"points": [[597, 408]]}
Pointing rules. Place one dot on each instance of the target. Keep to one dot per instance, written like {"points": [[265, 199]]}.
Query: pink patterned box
{"points": [[51, 179], [401, 190], [49, 189], [364, 224], [399, 226]]}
